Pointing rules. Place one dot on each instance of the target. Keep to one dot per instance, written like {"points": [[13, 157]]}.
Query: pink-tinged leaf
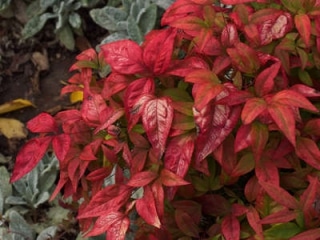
{"points": [[307, 150], [214, 122], [119, 229], [158, 48], [281, 216], [303, 25], [61, 145], [279, 195], [264, 82], [104, 222], [124, 56], [186, 223], [243, 138], [252, 109], [244, 58], [29, 156], [229, 35], [134, 99], [230, 228], [308, 234], [292, 98], [146, 208], [157, 119], [94, 109], [283, 116], [253, 219], [305, 90], [42, 123], [170, 179], [114, 84], [141, 179]]}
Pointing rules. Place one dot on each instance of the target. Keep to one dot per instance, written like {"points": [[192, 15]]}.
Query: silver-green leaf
{"points": [[19, 227], [134, 31], [66, 37]]}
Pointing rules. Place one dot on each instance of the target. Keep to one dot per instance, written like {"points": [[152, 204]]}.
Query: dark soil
{"points": [[20, 76]]}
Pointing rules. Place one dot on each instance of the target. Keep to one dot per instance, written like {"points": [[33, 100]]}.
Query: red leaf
{"points": [[252, 109], [215, 205], [293, 98], [146, 208], [141, 179], [207, 86], [259, 136], [29, 156], [119, 229], [303, 25], [309, 234], [104, 222], [214, 122], [89, 151], [243, 138], [157, 119], [170, 179], [280, 195], [186, 223], [94, 109], [230, 228], [114, 84], [61, 145], [305, 90], [185, 66], [42, 123], [281, 216], [158, 48], [124, 56], [283, 116], [158, 193], [253, 219], [229, 35], [233, 2], [112, 117], [264, 82], [307, 150], [135, 98]]}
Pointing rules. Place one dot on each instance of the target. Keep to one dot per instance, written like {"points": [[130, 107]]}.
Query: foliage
{"points": [[133, 20], [20, 202], [65, 12], [209, 129]]}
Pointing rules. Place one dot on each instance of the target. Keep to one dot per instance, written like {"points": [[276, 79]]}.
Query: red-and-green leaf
{"points": [[309, 234], [307, 150], [264, 82], [124, 57], [146, 208], [171, 179], [253, 219], [303, 25], [29, 156], [42, 123], [252, 109], [281, 216], [280, 195], [157, 119], [230, 227]]}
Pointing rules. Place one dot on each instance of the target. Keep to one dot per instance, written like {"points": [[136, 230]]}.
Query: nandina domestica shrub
{"points": [[208, 130]]}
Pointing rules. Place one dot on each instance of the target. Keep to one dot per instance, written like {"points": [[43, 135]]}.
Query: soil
{"points": [[22, 75]]}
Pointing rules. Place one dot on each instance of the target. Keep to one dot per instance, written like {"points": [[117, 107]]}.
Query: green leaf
{"points": [[163, 3], [305, 77], [44, 4], [66, 37], [134, 31], [108, 17], [5, 187], [282, 231], [4, 4], [75, 20], [19, 227], [35, 24], [147, 19]]}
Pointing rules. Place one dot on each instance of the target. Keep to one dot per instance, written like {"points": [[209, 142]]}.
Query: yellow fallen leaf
{"points": [[76, 96], [15, 105], [12, 128]]}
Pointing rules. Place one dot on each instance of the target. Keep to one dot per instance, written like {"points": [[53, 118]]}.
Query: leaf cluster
{"points": [[209, 129]]}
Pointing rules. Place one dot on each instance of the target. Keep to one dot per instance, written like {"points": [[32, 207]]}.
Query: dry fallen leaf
{"points": [[40, 60], [76, 96], [14, 105], [12, 128]]}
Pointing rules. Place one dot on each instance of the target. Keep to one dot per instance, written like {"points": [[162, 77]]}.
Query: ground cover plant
{"points": [[207, 130]]}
